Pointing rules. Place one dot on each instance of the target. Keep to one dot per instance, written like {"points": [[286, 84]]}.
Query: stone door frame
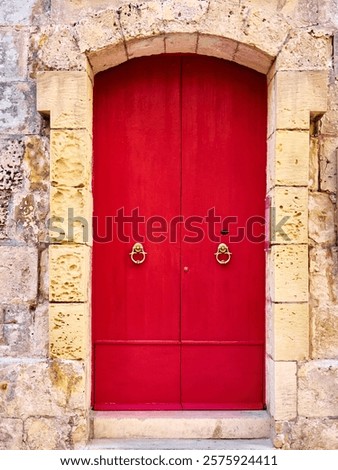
{"points": [[297, 94]]}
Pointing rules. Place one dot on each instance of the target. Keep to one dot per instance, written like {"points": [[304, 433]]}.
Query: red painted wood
{"points": [[179, 135], [123, 374], [223, 167], [136, 165]]}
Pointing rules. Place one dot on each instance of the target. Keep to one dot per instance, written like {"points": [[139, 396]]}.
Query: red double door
{"points": [[179, 161]]}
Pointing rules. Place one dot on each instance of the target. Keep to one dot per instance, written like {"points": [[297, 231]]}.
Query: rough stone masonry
{"points": [[45, 365]]}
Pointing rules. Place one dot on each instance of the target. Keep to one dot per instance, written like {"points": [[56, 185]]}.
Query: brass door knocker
{"points": [[223, 249], [138, 250]]}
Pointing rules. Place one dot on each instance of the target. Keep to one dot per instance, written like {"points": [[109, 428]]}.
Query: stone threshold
{"points": [[180, 424], [180, 444]]}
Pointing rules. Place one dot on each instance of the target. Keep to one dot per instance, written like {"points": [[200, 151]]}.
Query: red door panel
{"points": [[136, 164], [131, 376], [221, 377], [178, 136], [223, 167]]}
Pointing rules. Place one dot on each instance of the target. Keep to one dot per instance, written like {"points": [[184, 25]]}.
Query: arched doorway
{"points": [[179, 166]]}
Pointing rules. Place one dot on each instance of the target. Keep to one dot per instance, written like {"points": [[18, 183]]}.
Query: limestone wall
{"points": [[45, 159]]}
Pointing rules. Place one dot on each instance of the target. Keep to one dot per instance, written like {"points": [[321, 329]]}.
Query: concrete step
{"points": [[180, 425], [180, 444]]}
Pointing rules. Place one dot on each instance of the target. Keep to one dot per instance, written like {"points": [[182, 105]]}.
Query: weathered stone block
{"points": [[16, 314], [216, 46], [183, 15], [300, 12], [47, 433], [69, 12], [280, 434], [5, 197], [81, 428], [321, 219], [99, 31], [108, 57], [327, 13], [295, 52], [44, 275], [141, 20], [36, 162], [298, 94], [223, 19], [71, 152], [288, 164], [13, 55], [59, 386], [290, 215], [312, 434], [145, 47], [11, 433], [69, 273], [282, 389], [69, 331], [17, 113], [262, 28], [11, 155], [18, 274], [180, 42], [16, 340], [71, 215], [39, 331], [253, 58], [314, 164], [29, 212], [328, 156], [323, 275], [317, 389], [329, 120], [67, 96], [324, 332], [288, 273], [288, 332], [17, 12], [55, 48]]}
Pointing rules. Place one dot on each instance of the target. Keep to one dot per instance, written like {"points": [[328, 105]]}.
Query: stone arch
{"points": [[222, 29], [262, 40]]}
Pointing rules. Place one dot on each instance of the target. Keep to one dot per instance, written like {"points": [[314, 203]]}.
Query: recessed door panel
{"points": [[223, 174], [136, 377], [217, 376]]}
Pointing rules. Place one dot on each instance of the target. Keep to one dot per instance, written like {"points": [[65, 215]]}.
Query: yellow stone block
{"points": [[289, 215], [253, 58], [71, 215], [180, 42], [67, 97], [288, 332], [282, 389], [69, 267], [297, 95], [71, 158], [69, 332], [288, 273], [288, 162], [108, 57], [145, 47]]}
